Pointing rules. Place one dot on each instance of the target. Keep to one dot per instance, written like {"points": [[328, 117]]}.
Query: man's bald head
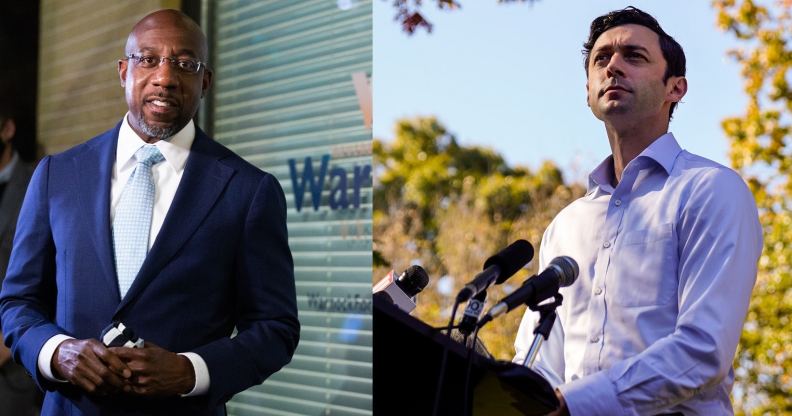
{"points": [[164, 74], [169, 18]]}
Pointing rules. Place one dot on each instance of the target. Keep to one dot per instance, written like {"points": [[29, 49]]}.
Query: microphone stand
{"points": [[547, 316], [441, 376], [469, 358]]}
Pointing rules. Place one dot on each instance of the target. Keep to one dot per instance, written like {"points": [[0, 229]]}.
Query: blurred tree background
{"points": [[448, 207], [760, 151]]}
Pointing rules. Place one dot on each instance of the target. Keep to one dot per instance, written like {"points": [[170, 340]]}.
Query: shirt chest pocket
{"points": [[644, 267]]}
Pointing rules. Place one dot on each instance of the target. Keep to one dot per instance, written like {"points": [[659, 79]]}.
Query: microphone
{"points": [[119, 335], [413, 280], [400, 291], [562, 272], [472, 313], [498, 268]]}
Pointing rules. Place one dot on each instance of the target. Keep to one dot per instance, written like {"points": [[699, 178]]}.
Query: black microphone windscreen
{"points": [[570, 270], [413, 280], [511, 259]]}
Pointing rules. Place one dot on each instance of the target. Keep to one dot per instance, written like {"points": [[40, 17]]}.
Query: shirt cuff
{"points": [[201, 374], [45, 357], [591, 395]]}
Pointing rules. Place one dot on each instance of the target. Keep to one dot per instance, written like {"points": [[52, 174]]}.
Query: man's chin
{"points": [[158, 130], [615, 108]]}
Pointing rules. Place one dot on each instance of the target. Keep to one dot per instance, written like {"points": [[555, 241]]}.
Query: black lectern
{"points": [[407, 359]]}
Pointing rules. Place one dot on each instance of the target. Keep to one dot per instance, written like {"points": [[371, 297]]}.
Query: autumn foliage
{"points": [[761, 149], [448, 207]]}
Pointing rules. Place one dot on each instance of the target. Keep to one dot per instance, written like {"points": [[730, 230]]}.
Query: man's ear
{"points": [[123, 65], [206, 83], [676, 88], [7, 130]]}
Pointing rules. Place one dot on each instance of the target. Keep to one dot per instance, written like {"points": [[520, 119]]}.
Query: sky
{"points": [[511, 77]]}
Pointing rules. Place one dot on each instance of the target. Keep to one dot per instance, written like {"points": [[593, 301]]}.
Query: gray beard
{"points": [[159, 133]]}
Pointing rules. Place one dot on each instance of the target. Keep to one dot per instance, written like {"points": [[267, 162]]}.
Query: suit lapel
{"points": [[202, 182], [95, 166]]}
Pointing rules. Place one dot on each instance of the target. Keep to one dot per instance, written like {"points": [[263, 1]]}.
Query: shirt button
{"points": [[617, 202], [598, 291], [595, 339], [607, 244]]}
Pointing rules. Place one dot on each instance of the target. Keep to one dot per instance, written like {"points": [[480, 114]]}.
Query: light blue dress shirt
{"points": [[667, 264]]}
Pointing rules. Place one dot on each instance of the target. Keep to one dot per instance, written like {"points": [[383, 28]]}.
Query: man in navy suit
{"points": [[157, 226]]}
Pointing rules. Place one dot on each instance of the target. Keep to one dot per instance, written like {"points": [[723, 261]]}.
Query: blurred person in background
{"points": [[18, 392]]}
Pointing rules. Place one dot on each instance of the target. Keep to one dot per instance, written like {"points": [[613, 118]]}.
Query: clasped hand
{"points": [[96, 369]]}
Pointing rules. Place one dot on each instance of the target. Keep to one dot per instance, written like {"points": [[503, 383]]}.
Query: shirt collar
{"points": [[175, 149], [602, 175], [664, 150]]}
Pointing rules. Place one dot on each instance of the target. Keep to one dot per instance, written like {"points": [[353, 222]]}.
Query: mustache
{"points": [[162, 96], [614, 83]]}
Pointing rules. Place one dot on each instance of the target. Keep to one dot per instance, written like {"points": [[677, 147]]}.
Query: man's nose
{"points": [[615, 66], [165, 75]]}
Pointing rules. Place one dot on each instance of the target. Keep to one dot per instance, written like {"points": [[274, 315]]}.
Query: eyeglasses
{"points": [[188, 66]]}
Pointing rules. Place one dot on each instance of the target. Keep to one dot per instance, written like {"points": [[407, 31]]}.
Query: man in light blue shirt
{"points": [[667, 244]]}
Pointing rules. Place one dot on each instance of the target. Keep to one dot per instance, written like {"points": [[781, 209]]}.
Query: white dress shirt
{"points": [[166, 176], [667, 264]]}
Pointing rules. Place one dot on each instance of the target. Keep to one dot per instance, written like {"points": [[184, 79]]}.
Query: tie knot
{"points": [[149, 155]]}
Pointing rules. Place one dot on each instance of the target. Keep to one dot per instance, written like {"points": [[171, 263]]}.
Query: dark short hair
{"points": [[13, 105], [672, 50]]}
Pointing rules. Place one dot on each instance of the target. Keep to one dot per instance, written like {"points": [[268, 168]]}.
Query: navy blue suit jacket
{"points": [[221, 260]]}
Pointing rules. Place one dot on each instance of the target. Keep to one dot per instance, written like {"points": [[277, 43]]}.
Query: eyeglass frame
{"points": [[173, 61]]}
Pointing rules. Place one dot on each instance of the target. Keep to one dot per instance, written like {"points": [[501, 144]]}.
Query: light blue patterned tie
{"points": [[132, 221]]}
